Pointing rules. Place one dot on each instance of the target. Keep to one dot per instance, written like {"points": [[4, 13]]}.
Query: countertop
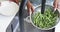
{"points": [[5, 21]]}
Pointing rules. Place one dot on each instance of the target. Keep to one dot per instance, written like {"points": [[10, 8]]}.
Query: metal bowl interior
{"points": [[38, 9]]}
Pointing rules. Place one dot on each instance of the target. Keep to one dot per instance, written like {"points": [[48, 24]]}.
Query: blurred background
{"points": [[14, 25]]}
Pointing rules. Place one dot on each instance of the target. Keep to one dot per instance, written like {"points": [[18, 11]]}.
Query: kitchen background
{"points": [[14, 25]]}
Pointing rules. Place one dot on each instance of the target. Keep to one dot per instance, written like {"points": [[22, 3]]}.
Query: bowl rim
{"points": [[42, 28]]}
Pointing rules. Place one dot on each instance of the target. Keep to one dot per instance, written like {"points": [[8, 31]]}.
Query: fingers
{"points": [[58, 6], [55, 4], [28, 11], [28, 8], [32, 9]]}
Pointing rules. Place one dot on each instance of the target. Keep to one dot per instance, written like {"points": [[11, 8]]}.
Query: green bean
{"points": [[46, 20]]}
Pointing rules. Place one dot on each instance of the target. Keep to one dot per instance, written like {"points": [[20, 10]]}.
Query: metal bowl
{"points": [[38, 9]]}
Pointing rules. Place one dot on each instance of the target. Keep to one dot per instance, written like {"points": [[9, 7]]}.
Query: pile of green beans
{"points": [[46, 20]]}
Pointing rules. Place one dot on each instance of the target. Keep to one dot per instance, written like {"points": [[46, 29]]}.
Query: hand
{"points": [[56, 4], [30, 7], [16, 1]]}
